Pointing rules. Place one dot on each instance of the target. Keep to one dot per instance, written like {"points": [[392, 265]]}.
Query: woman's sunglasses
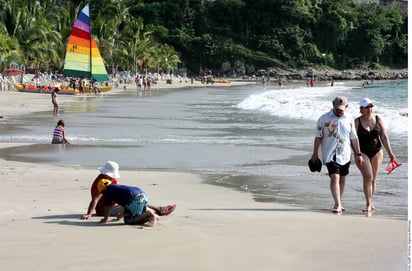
{"points": [[369, 106]]}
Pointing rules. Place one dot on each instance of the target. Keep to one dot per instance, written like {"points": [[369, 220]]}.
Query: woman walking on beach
{"points": [[54, 101], [372, 134], [59, 134]]}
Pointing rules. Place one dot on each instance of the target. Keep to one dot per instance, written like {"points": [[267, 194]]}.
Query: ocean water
{"points": [[250, 138]]}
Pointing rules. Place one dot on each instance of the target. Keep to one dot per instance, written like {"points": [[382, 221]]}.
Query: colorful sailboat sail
{"points": [[83, 57]]}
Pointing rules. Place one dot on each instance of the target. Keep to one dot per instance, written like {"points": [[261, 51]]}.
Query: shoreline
{"points": [[213, 227], [300, 76]]}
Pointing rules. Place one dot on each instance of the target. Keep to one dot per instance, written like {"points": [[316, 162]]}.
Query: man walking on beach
{"points": [[336, 135]]}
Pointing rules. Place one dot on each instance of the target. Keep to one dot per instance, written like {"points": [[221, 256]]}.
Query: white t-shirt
{"points": [[336, 133]]}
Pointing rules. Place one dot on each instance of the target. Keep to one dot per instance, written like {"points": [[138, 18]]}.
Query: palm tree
{"points": [[137, 43], [38, 42], [171, 59], [28, 24], [8, 51], [112, 16], [163, 56]]}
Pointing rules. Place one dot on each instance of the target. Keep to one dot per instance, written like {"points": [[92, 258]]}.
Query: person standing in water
{"points": [[54, 101]]}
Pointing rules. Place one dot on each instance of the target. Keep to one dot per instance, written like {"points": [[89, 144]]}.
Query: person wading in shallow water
{"points": [[59, 134], [54, 101]]}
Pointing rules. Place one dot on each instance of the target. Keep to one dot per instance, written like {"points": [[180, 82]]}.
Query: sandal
{"points": [[167, 210]]}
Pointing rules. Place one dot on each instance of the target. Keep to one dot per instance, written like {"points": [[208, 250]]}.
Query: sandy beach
{"points": [[16, 103], [213, 228]]}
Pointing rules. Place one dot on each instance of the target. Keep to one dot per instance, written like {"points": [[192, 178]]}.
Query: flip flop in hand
{"points": [[392, 165]]}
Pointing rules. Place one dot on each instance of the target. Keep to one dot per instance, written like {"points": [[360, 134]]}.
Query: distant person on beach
{"points": [[148, 83], [80, 86], [59, 134], [72, 83], [336, 135], [110, 171], [96, 87], [372, 135], [90, 86], [312, 82], [145, 83], [84, 84], [263, 80], [139, 82], [54, 101]]}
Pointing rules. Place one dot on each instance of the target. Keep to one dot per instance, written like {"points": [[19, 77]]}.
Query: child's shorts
{"points": [[135, 208]]}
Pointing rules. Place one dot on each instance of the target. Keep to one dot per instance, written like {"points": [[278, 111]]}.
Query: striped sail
{"points": [[82, 53]]}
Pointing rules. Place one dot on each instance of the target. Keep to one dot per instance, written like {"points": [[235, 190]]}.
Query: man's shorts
{"points": [[335, 168], [135, 208]]}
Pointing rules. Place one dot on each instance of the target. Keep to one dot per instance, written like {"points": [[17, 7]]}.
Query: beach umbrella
{"points": [[12, 72]]}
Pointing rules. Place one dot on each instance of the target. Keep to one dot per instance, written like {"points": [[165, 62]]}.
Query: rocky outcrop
{"points": [[327, 75]]}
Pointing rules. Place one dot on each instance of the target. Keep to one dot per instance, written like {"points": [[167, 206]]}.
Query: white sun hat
{"points": [[365, 102], [110, 169]]}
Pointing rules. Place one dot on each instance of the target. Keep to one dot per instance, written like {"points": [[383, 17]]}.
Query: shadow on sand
{"points": [[74, 220]]}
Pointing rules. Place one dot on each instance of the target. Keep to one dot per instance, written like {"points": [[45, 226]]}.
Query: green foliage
{"points": [[140, 34], [375, 33]]}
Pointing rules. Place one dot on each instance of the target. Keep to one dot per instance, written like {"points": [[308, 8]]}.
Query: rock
{"points": [[327, 75]]}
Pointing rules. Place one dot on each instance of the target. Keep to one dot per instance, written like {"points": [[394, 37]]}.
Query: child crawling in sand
{"points": [[109, 173], [133, 199]]}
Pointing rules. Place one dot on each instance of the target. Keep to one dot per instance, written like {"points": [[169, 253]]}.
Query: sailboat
{"points": [[83, 59]]}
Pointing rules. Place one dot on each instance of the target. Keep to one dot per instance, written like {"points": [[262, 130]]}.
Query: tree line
{"points": [[161, 35]]}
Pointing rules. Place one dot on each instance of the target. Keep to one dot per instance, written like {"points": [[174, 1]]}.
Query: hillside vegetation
{"points": [[220, 35]]}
